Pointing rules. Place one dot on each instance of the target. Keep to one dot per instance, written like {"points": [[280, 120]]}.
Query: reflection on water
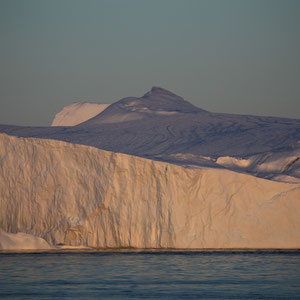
{"points": [[75, 275]]}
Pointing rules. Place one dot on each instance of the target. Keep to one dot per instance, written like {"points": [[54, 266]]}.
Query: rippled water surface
{"points": [[121, 275]]}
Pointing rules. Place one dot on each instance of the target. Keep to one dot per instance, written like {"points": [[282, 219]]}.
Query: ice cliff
{"points": [[154, 172], [79, 195]]}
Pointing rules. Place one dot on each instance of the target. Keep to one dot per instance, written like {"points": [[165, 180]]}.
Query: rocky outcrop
{"points": [[79, 195]]}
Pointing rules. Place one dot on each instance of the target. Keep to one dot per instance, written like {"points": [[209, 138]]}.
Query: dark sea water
{"points": [[151, 275]]}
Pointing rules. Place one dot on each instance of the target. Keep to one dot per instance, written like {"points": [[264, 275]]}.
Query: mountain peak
{"points": [[158, 103], [155, 91]]}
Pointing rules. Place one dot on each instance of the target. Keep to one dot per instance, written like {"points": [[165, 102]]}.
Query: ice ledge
{"points": [[22, 241]]}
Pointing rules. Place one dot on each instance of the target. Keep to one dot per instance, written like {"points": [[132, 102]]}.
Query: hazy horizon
{"points": [[232, 56]]}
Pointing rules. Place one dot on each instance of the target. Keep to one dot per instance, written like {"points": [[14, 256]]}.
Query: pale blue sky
{"points": [[231, 56]]}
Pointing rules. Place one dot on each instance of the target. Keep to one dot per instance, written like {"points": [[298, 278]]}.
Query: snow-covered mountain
{"points": [[77, 113], [154, 171], [163, 126]]}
